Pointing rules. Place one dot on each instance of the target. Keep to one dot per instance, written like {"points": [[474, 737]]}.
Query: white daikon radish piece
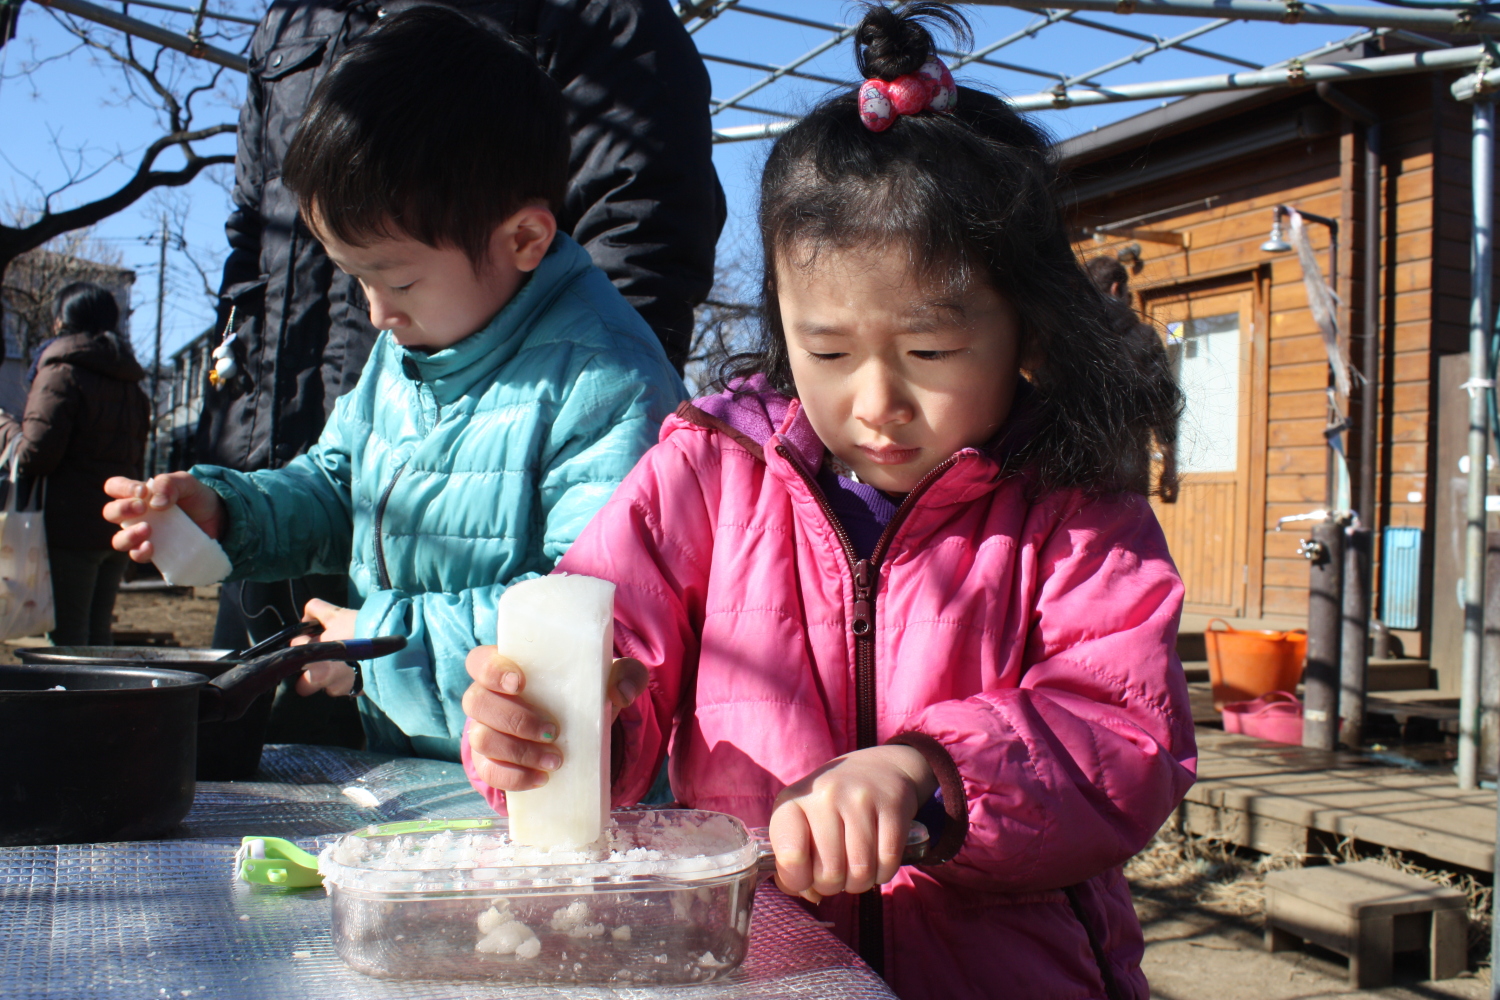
{"points": [[184, 554], [560, 630]]}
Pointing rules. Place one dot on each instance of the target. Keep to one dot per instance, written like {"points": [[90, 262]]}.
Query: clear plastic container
{"points": [[666, 901]]}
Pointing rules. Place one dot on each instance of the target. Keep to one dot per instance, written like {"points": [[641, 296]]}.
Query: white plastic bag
{"points": [[25, 573]]}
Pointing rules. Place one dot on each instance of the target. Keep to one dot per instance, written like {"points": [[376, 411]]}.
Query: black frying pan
{"points": [[111, 756], [227, 750]]}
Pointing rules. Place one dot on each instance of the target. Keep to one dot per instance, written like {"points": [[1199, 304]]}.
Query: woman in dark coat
{"points": [[86, 419]]}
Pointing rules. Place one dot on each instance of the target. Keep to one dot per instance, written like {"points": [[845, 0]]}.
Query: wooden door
{"points": [[1209, 336]]}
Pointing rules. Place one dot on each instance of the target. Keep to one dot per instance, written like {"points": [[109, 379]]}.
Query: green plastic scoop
{"points": [[273, 861]]}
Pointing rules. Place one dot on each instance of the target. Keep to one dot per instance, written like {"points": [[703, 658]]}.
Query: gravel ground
{"points": [[188, 616], [1201, 906]]}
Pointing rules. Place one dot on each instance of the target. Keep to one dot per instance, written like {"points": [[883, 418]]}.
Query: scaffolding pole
{"points": [[150, 32], [1293, 74], [1481, 255], [1465, 22]]}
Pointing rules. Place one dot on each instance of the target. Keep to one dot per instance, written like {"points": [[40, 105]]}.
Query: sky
{"points": [[66, 112]]}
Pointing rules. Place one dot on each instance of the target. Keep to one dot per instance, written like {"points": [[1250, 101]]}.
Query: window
{"points": [[1206, 359]]}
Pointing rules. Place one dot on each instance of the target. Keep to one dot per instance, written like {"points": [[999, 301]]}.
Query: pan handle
{"points": [[277, 641], [228, 696], [917, 842]]}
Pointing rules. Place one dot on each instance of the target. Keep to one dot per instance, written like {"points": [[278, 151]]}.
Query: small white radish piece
{"points": [[560, 631], [185, 555], [506, 939]]}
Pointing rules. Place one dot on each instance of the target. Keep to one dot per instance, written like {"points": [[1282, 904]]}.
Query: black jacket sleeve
{"points": [[644, 198], [241, 286]]}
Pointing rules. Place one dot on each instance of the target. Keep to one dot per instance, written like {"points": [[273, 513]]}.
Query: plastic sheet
{"points": [[166, 919]]}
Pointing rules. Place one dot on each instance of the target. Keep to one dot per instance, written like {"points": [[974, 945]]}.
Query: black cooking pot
{"points": [[228, 750], [101, 752]]}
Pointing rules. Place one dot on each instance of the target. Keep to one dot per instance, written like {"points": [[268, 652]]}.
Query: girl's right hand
{"points": [[511, 739], [133, 498]]}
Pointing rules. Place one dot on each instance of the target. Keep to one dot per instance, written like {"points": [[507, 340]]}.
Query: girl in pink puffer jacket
{"points": [[904, 566]]}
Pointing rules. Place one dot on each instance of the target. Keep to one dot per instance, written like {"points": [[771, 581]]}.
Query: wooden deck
{"points": [[1273, 797]]}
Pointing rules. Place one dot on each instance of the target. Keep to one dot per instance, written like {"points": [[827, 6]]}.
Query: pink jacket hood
{"points": [[1027, 648]]}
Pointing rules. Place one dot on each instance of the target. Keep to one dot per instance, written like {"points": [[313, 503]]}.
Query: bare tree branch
{"points": [[153, 77]]}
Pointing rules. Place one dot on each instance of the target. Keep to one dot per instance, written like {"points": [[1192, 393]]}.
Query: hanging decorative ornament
{"points": [[225, 367]]}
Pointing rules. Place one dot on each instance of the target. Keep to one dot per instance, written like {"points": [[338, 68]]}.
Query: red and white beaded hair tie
{"points": [[930, 88]]}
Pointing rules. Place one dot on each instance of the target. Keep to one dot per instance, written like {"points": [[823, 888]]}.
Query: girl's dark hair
{"points": [[433, 126], [84, 307], [970, 194]]}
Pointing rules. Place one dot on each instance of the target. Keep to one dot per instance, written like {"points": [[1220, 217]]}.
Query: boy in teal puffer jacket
{"points": [[510, 392]]}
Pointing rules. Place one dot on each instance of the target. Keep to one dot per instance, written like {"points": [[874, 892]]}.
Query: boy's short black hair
{"points": [[432, 126]]}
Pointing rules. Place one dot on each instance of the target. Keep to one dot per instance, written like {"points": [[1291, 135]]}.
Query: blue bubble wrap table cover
{"points": [[153, 920]]}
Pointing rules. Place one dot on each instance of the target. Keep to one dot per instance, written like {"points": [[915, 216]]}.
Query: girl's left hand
{"points": [[333, 676], [843, 827]]}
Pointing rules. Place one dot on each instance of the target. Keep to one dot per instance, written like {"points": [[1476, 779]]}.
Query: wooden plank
{"points": [[1293, 405], [1286, 600], [1309, 459], [1410, 397], [1408, 427], [1306, 489], [1421, 812], [1286, 433], [1294, 378]]}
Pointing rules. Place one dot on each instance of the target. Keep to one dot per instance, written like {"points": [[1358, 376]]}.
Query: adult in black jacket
{"points": [[643, 199]]}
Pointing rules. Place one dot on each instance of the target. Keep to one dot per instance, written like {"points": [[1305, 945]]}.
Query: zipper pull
{"points": [[864, 607]]}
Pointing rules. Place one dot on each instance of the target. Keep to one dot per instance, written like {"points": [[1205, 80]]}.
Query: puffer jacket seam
{"points": [[1157, 701], [665, 538], [1036, 850], [721, 703]]}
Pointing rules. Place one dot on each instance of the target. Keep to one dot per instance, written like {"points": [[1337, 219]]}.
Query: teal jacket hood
{"points": [[444, 477]]}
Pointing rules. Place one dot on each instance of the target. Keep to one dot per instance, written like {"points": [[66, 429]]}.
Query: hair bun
{"points": [[889, 43]]}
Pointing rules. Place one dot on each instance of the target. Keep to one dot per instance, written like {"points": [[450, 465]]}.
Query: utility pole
{"points": [[161, 298]]}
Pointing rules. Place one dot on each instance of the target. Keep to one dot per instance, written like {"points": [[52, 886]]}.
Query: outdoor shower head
{"points": [[1276, 243]]}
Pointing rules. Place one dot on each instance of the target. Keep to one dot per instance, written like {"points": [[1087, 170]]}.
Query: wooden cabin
{"points": [[1186, 192]]}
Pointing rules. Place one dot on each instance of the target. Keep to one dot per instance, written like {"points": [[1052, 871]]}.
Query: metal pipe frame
{"points": [[1294, 74], [1113, 29], [252, 22], [963, 58], [150, 32], [1287, 12], [1160, 45], [841, 32], [777, 72], [1481, 260], [1030, 31]]}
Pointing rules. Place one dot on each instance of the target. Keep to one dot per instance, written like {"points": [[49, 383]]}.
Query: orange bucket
{"points": [[1244, 664]]}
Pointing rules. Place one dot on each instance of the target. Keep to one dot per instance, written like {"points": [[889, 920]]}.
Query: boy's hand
{"points": [[133, 498], [334, 676], [843, 827], [511, 740]]}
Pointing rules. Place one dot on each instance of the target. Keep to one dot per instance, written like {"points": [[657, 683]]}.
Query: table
{"points": [[166, 919]]}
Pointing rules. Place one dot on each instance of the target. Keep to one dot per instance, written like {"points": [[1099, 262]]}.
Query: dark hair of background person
{"points": [[970, 194], [84, 307], [434, 127], [1109, 275]]}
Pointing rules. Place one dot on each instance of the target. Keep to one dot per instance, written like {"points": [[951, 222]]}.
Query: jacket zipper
{"points": [[381, 573], [866, 574]]}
